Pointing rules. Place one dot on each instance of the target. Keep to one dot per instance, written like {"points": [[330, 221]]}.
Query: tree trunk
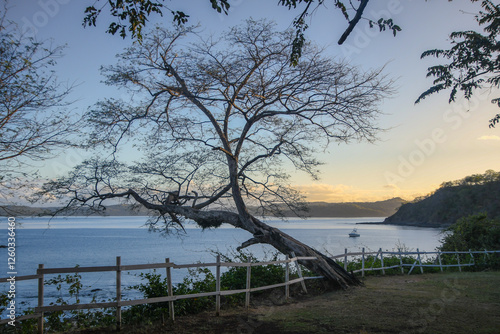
{"points": [[286, 244], [262, 233]]}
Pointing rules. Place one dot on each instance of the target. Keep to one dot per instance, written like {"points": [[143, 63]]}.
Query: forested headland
{"points": [[474, 194]]}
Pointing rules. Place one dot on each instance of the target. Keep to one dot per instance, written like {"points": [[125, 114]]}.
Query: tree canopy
{"points": [[131, 17], [473, 59], [489, 176], [474, 56], [216, 120]]}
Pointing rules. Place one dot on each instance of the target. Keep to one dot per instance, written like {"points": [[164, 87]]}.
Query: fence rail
{"points": [[416, 264], [168, 266]]}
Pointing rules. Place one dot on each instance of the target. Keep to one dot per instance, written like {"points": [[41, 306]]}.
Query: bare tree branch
{"points": [[219, 119]]}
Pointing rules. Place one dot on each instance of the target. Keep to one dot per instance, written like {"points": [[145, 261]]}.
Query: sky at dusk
{"points": [[423, 145]]}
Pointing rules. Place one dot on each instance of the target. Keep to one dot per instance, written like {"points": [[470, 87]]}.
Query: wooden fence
{"points": [[437, 262], [168, 266]]}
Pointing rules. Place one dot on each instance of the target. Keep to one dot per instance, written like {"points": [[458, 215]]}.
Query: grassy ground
{"points": [[430, 303]]}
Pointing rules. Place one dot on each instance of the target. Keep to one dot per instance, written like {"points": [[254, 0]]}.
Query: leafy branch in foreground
{"points": [[131, 17], [473, 60]]}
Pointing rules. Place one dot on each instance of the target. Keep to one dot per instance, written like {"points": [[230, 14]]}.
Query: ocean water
{"points": [[97, 241]]}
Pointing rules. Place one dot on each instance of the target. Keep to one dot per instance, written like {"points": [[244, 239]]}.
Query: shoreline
{"points": [[441, 226]]}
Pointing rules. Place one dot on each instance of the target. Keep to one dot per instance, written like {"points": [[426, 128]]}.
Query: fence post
{"points": [[170, 291], [413, 266], [40, 297], [440, 263], [345, 259], [401, 262], [249, 273], [363, 262], [374, 260], [458, 261], [217, 287], [118, 293], [287, 278], [299, 271], [420, 262], [472, 257], [382, 261]]}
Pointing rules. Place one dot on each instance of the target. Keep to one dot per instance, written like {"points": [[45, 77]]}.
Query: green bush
{"points": [[372, 261], [198, 281], [476, 233], [203, 280], [69, 287], [235, 278]]}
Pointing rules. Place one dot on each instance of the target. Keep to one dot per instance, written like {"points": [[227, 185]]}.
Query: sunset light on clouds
{"points": [[421, 146], [489, 138], [318, 192]]}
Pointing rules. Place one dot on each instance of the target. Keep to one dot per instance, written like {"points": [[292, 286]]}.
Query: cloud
{"points": [[392, 187], [489, 138], [338, 193], [320, 192]]}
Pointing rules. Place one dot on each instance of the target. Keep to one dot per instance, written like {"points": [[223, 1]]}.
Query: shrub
{"points": [[199, 280], [475, 232], [203, 280], [236, 277]]}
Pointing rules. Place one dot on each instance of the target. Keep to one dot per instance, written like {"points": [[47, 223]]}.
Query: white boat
{"points": [[354, 233]]}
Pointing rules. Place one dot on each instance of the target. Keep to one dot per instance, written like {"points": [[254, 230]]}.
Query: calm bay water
{"points": [[96, 241]]}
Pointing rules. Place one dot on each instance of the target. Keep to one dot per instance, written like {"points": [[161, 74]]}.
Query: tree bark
{"points": [[262, 233], [286, 244], [265, 234]]}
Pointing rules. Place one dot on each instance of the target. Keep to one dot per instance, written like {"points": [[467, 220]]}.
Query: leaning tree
{"points": [[218, 122]]}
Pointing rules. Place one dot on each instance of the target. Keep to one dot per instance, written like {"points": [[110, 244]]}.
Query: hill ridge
{"points": [[316, 209], [472, 195]]}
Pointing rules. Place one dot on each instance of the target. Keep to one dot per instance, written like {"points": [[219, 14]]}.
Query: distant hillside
{"points": [[352, 209], [13, 210], [112, 210], [317, 209], [453, 200]]}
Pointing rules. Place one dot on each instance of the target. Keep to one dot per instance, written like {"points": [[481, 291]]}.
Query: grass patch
{"points": [[431, 303], [467, 302]]}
